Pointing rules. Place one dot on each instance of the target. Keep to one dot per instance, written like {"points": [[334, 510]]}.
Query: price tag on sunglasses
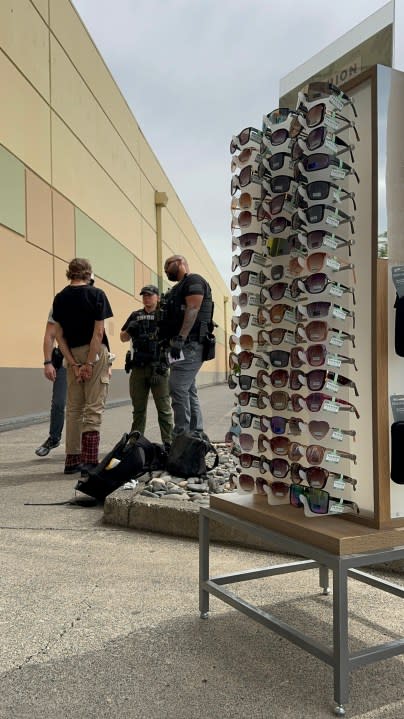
{"points": [[336, 290], [336, 340], [336, 509], [336, 101], [331, 386], [339, 483], [330, 406], [339, 313], [330, 145], [336, 195], [289, 338], [331, 122], [330, 241], [289, 207], [290, 316], [332, 457], [333, 263], [338, 435], [332, 220], [333, 361], [338, 173]]}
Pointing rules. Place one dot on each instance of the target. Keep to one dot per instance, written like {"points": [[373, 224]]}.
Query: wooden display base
{"points": [[334, 534]]}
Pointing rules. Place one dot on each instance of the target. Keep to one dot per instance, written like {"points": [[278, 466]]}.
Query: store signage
{"points": [[347, 73]]}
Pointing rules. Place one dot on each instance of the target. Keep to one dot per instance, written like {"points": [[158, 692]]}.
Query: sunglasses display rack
{"points": [[292, 349]]}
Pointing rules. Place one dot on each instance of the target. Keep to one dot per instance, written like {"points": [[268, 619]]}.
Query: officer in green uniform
{"points": [[148, 370]]}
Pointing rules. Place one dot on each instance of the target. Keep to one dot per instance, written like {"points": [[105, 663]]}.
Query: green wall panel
{"points": [[12, 192], [109, 259]]}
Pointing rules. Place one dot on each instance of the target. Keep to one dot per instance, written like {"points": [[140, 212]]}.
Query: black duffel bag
{"points": [[187, 455]]}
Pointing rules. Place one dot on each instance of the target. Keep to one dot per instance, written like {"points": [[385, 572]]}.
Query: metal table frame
{"points": [[342, 567]]}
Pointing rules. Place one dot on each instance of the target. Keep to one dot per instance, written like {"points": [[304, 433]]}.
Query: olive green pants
{"points": [[140, 384]]}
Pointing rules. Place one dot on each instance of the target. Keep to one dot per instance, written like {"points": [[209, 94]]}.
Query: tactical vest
{"points": [[145, 346], [175, 307]]}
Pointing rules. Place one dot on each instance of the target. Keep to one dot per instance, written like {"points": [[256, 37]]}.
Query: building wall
{"points": [[77, 178]]}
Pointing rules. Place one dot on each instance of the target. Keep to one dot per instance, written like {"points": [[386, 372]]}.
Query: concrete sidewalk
{"points": [[101, 622]]}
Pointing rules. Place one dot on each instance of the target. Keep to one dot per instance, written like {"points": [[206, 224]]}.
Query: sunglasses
{"points": [[318, 401], [242, 442], [264, 337], [244, 218], [317, 378], [243, 201], [314, 453], [248, 277], [318, 429], [279, 224], [248, 257], [272, 163], [245, 382], [315, 239], [246, 136], [244, 320], [248, 239], [253, 399], [322, 309], [320, 501], [244, 360], [245, 157], [325, 190], [248, 483], [246, 177], [319, 89], [317, 331], [320, 114], [279, 311], [277, 117], [316, 284], [329, 214], [317, 355], [277, 185], [245, 420], [323, 161], [318, 261], [317, 138], [273, 138]]}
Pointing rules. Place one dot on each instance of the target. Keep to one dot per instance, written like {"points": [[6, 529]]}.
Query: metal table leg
{"points": [[203, 565]]}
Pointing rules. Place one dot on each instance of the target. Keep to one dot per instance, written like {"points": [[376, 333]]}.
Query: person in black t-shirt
{"points": [[189, 311], [79, 311]]}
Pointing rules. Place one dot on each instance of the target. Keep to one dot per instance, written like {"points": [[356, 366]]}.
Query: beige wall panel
{"points": [[24, 120], [78, 177], [74, 102], [149, 246], [24, 36], [42, 7], [63, 227], [142, 277], [148, 205], [74, 38], [61, 280], [152, 168], [22, 339], [39, 212], [12, 192]]}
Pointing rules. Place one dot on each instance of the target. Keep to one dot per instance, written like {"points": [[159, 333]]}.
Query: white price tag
{"points": [[289, 207], [336, 340], [332, 220], [330, 406], [337, 195], [289, 338], [253, 402], [255, 323], [331, 122], [254, 280], [256, 424], [336, 101], [339, 313], [333, 361], [337, 434], [336, 290], [332, 457], [333, 263], [331, 145], [330, 242], [290, 316], [287, 294], [336, 509], [338, 173], [339, 483], [254, 300], [331, 386]]}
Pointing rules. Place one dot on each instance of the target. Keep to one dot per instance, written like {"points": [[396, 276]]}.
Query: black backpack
{"points": [[131, 457], [187, 455]]}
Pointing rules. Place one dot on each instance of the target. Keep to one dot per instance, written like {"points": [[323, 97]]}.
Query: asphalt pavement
{"points": [[103, 622]]}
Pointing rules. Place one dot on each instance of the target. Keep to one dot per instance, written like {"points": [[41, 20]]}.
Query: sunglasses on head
{"points": [[317, 331], [317, 378], [319, 90], [323, 161], [325, 190], [316, 284], [320, 501], [315, 454], [246, 136]]}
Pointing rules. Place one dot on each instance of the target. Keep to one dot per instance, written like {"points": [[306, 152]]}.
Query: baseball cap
{"points": [[149, 290]]}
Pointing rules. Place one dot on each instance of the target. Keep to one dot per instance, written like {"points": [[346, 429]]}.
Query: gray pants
{"points": [[57, 415], [183, 392]]}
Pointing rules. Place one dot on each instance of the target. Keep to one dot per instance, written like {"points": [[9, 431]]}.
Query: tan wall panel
{"points": [[22, 333], [39, 212], [63, 227], [142, 277], [24, 121], [74, 38], [42, 7], [74, 102], [24, 36], [12, 192], [149, 246], [148, 205], [83, 181]]}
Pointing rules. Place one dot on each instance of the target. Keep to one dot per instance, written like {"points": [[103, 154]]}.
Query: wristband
{"points": [[48, 362], [90, 364]]}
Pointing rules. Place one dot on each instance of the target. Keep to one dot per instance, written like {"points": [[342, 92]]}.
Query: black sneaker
{"points": [[46, 447], [72, 469]]}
